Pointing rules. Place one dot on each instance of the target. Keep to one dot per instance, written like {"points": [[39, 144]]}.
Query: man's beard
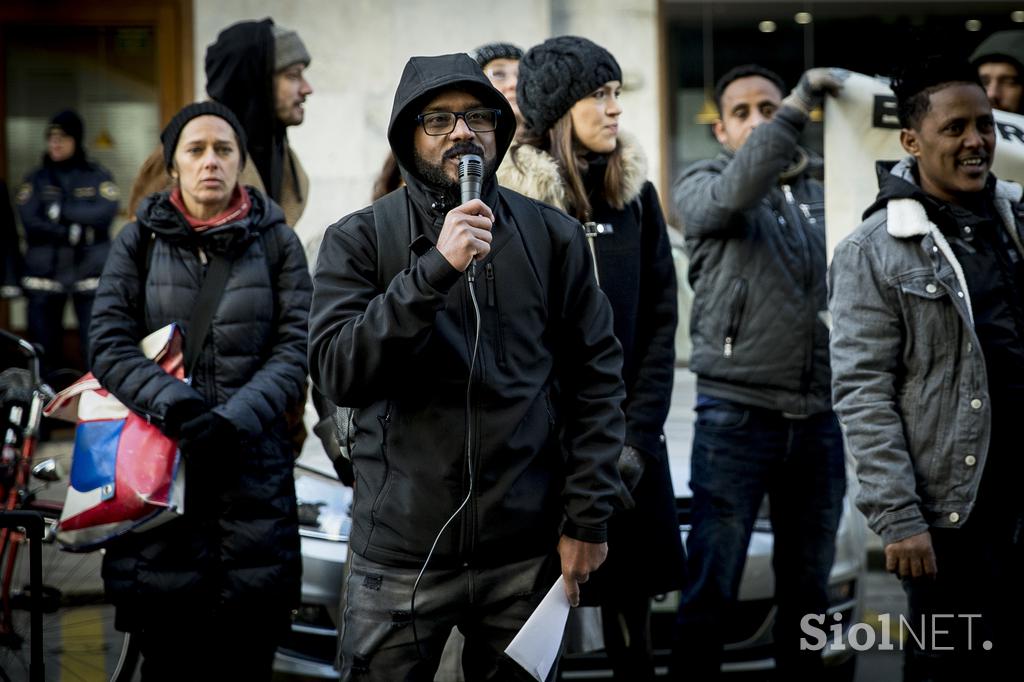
{"points": [[435, 175]]}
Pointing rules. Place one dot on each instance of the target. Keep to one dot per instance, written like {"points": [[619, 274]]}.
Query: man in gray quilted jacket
{"points": [[754, 225]]}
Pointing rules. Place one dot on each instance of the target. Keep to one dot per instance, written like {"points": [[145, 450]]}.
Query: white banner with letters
{"points": [[861, 127]]}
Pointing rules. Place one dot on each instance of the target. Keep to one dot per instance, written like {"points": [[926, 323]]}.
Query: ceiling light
{"points": [[803, 18], [1017, 17], [767, 26], [972, 25]]}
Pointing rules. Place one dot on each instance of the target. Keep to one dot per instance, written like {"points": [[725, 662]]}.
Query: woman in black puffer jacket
{"points": [[573, 156], [215, 587]]}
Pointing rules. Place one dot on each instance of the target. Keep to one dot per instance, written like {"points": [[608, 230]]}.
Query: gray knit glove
{"points": [[814, 84]]}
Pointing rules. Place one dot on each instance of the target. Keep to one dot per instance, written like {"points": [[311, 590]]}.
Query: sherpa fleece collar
{"points": [[535, 173], [907, 218]]}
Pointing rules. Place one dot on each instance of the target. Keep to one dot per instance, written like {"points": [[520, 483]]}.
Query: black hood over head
{"points": [[240, 75], [426, 77], [896, 180], [899, 180]]}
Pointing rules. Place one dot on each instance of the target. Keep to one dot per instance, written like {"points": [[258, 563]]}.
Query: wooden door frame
{"points": [[171, 21]]}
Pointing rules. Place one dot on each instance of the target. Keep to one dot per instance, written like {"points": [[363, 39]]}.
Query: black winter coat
{"points": [[548, 369], [634, 263], [238, 541]]}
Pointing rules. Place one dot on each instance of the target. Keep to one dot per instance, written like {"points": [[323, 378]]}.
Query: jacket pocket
{"points": [[930, 314], [736, 302], [722, 415], [385, 423]]}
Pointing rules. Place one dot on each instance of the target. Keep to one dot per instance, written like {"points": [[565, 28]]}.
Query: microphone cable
{"points": [[471, 286]]}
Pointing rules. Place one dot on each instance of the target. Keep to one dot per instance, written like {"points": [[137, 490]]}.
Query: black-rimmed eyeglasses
{"points": [[443, 122]]}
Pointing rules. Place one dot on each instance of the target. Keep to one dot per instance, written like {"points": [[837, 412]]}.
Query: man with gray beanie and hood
{"points": [[478, 354], [1000, 63], [256, 69]]}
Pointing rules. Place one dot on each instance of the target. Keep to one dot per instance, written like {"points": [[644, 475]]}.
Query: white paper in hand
{"points": [[538, 642]]}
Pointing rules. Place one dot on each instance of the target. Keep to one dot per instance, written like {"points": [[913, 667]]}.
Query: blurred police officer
{"points": [[66, 207]]}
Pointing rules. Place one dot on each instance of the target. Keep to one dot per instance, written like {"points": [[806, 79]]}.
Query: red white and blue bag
{"points": [[126, 475]]}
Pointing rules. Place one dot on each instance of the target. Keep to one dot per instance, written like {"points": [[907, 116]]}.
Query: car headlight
{"points": [[324, 505]]}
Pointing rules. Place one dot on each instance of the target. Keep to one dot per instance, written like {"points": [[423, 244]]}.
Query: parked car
{"points": [[324, 526]]}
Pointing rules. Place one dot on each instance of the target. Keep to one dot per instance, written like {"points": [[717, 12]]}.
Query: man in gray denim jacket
{"points": [[927, 354]]}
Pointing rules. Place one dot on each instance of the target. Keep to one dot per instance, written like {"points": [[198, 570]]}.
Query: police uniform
{"points": [[66, 209]]}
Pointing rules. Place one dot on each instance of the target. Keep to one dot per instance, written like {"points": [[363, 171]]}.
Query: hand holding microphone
{"points": [[466, 233]]}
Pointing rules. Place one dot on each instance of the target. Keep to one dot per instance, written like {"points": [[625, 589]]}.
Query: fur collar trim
{"points": [[536, 174], [906, 218]]}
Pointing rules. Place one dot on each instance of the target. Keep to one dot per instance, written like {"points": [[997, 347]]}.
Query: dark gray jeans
{"points": [[382, 640], [739, 454]]}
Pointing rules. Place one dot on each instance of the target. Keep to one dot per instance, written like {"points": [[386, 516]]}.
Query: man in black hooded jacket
{"points": [[256, 69], [485, 378]]}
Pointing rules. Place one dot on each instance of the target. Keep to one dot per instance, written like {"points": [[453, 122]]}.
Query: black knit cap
{"points": [[556, 74], [169, 137], [486, 54], [70, 123]]}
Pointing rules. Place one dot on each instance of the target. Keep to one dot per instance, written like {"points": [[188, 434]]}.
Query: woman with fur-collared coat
{"points": [[573, 157]]}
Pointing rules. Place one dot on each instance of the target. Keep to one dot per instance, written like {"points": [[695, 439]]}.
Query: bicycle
{"points": [[78, 635]]}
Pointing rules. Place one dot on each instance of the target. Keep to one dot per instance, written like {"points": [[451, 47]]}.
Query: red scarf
{"points": [[237, 209]]}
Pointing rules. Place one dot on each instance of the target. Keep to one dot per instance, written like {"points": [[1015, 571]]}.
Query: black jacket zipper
{"points": [[808, 369], [466, 525], [492, 302], [385, 421], [737, 301]]}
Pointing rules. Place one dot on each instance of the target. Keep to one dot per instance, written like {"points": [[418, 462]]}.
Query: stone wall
{"points": [[359, 48]]}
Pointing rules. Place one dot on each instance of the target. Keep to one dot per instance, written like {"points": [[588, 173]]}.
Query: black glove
{"points": [[181, 412], [631, 466], [813, 85], [208, 431]]}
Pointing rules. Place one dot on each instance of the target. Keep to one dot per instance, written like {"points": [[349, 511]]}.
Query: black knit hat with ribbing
{"points": [[491, 51], [556, 74], [70, 123], [172, 132]]}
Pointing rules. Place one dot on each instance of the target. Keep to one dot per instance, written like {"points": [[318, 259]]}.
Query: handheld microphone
{"points": [[471, 176]]}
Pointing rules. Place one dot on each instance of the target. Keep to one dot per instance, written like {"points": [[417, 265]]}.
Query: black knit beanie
{"points": [[556, 74], [486, 54], [169, 137], [70, 123]]}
